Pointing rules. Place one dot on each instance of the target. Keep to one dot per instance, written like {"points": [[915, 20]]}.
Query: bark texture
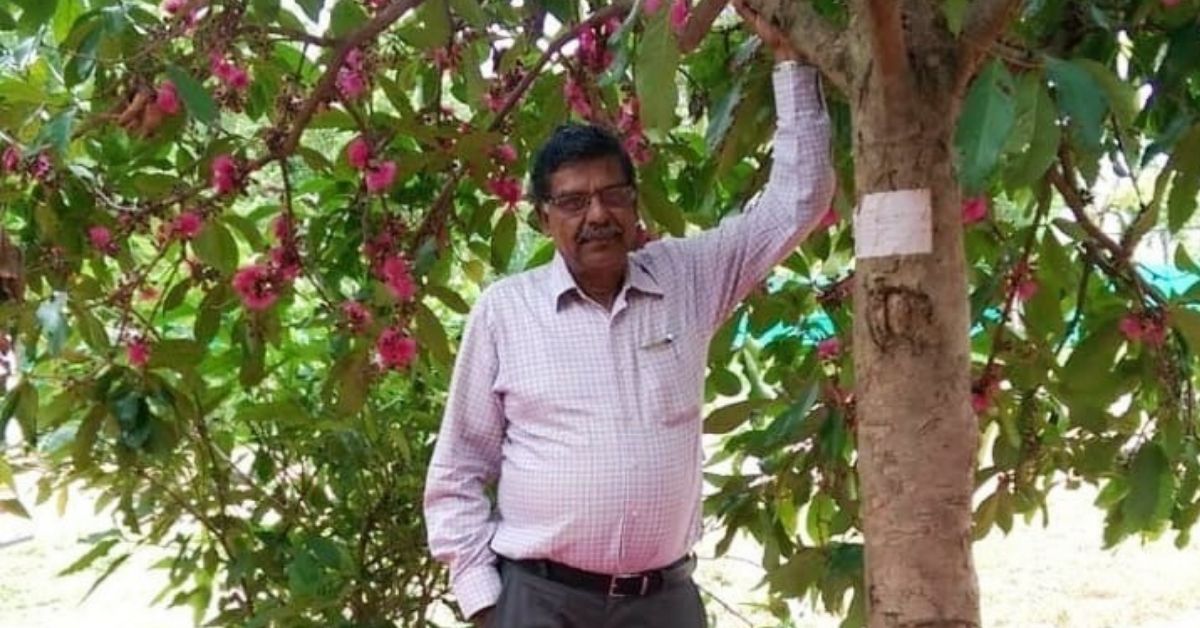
{"points": [[917, 434]]}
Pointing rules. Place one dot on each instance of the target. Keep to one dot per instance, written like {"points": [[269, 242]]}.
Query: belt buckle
{"points": [[618, 578]]}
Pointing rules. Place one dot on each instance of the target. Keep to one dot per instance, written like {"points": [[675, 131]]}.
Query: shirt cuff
{"points": [[476, 589], [797, 90]]}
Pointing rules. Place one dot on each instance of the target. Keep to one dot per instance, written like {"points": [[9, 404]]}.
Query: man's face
{"points": [[591, 216]]}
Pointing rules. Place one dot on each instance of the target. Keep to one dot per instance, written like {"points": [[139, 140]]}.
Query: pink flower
{"points": [[285, 263], [651, 6], [228, 72], [11, 159], [398, 278], [828, 219], [983, 391], [357, 316], [506, 189], [167, 98], [679, 15], [493, 100], [171, 7], [101, 239], [638, 148], [256, 286], [505, 154], [358, 153], [1025, 289], [980, 402], [1170, 4], [224, 174], [187, 225], [41, 167], [577, 98], [380, 177], [396, 351], [283, 228], [974, 210], [350, 83], [594, 54], [1154, 332], [139, 352], [1131, 327], [829, 348]]}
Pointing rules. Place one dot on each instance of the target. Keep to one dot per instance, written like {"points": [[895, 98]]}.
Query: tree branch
{"points": [[812, 36], [888, 48], [699, 22], [325, 87], [986, 20]]}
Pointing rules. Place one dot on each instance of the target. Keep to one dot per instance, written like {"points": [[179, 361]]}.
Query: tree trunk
{"points": [[917, 433]]}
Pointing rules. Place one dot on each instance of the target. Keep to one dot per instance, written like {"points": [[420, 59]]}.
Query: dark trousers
{"points": [[528, 600]]}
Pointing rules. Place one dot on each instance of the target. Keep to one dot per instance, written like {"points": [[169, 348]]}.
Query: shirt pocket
{"points": [[665, 368]]}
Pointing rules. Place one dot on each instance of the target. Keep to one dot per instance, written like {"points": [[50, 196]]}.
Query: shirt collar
{"points": [[637, 277]]}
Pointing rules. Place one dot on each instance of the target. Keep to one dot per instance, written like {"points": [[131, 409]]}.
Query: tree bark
{"points": [[917, 433]]}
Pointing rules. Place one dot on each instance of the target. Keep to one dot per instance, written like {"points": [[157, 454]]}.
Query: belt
{"points": [[639, 584]]}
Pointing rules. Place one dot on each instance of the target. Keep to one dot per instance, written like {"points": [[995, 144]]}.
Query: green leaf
{"points": [[57, 132], [35, 13], [90, 329], [83, 60], [987, 118], [449, 298], [14, 507], [199, 103], [1185, 185], [1187, 322], [99, 550], [312, 8], [432, 336], [955, 11], [726, 418], [654, 202], [1089, 369], [504, 240], [216, 247], [431, 29], [1031, 163], [1121, 96], [657, 60], [347, 16], [471, 11], [1081, 98], [6, 475], [1151, 489]]}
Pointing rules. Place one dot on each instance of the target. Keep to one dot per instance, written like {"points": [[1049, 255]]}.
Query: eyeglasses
{"points": [[620, 196]]}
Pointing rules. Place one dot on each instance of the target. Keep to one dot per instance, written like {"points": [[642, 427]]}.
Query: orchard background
{"points": [[238, 240]]}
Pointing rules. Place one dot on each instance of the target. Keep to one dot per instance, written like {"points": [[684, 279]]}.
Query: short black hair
{"points": [[574, 142]]}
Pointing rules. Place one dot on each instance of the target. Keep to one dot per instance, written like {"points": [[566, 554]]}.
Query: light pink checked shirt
{"points": [[590, 419]]}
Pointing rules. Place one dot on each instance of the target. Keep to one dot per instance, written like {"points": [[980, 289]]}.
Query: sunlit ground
{"points": [[1057, 576]]}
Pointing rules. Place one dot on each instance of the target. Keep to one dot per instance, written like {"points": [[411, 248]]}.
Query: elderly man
{"points": [[579, 384]]}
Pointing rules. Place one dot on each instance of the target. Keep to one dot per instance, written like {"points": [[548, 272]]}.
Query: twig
{"points": [[1042, 210], [986, 20], [725, 604]]}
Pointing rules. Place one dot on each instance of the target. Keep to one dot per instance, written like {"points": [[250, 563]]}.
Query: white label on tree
{"points": [[894, 223]]}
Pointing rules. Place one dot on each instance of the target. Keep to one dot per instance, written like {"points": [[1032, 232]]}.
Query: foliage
{"points": [[238, 219]]}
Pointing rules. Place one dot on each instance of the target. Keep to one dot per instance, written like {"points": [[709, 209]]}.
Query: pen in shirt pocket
{"points": [[666, 340]]}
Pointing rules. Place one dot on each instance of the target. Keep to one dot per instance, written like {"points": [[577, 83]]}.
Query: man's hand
{"points": [[481, 619], [770, 34]]}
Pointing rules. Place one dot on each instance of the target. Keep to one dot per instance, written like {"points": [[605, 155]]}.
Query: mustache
{"points": [[602, 232]]}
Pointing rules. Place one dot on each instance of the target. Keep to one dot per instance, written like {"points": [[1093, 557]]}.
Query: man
{"points": [[579, 384]]}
